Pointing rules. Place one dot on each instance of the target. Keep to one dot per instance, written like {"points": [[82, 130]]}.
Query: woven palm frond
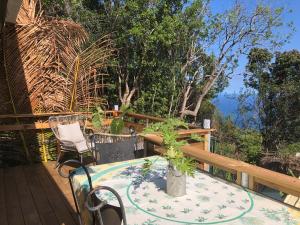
{"points": [[87, 72], [47, 70]]}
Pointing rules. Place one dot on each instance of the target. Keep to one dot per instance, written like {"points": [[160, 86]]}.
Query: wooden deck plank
{"points": [[45, 211], [30, 214], [13, 209], [3, 218], [57, 199]]}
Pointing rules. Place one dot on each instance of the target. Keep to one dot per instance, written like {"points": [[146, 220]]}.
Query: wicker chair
{"points": [[102, 213], [71, 135]]}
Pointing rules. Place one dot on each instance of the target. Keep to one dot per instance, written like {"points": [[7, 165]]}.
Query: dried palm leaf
{"points": [[47, 69]]}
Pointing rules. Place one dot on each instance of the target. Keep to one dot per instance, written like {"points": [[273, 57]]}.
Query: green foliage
{"points": [[249, 144], [125, 109], [196, 137], [173, 154], [234, 142], [116, 126], [97, 117], [154, 39], [276, 79], [286, 150], [185, 165]]}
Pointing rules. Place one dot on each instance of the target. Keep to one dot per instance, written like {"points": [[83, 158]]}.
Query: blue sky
{"points": [[236, 83]]}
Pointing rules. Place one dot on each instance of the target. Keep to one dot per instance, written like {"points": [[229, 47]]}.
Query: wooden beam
{"points": [[40, 125], [145, 117], [15, 127], [36, 115], [13, 7]]}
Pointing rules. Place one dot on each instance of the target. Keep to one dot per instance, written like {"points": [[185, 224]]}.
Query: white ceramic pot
{"points": [[176, 182]]}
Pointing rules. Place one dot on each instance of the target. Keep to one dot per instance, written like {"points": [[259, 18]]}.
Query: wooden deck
{"points": [[35, 195]]}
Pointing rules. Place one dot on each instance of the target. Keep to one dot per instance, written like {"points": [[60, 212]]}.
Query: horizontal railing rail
{"points": [[44, 124], [256, 175], [34, 130]]}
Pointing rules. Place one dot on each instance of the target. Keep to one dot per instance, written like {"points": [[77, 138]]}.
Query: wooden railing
{"points": [[42, 118], [256, 175]]}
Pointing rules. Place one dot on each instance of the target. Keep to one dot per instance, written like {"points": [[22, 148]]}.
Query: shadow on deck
{"points": [[35, 194]]}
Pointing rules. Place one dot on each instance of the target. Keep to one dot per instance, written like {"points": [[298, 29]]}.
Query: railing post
{"points": [[238, 180], [244, 179], [148, 148], [206, 125], [252, 184]]}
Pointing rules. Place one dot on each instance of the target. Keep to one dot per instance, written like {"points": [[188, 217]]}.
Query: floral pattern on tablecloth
{"points": [[208, 200]]}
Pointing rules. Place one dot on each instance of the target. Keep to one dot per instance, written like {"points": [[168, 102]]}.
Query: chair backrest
{"points": [[115, 151], [54, 121]]}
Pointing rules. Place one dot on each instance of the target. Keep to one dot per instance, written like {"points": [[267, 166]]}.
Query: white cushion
{"points": [[81, 146], [72, 132]]}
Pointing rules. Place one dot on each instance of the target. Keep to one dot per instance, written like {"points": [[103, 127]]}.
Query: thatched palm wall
{"points": [[45, 69]]}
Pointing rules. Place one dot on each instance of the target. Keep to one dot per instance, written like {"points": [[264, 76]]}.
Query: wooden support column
{"points": [[238, 180], [252, 184], [148, 148], [206, 166]]}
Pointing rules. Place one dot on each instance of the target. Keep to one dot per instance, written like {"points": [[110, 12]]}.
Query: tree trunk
{"points": [[184, 101], [206, 88], [68, 7], [172, 97]]}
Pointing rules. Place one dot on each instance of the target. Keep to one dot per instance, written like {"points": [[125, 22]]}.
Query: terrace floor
{"points": [[35, 194]]}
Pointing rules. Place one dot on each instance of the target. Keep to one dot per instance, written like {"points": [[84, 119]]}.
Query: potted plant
{"points": [[115, 126], [113, 141], [179, 165]]}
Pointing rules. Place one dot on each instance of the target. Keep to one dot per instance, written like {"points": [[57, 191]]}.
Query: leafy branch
{"points": [[173, 154]]}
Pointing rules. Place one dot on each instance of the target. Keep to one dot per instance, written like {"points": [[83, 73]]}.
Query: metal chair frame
{"points": [[69, 176], [97, 209], [94, 209]]}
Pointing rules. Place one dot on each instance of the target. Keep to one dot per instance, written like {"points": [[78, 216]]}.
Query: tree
{"points": [[231, 34], [152, 37], [175, 53], [278, 85]]}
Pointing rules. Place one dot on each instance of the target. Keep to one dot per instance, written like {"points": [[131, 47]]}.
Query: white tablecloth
{"points": [[208, 200]]}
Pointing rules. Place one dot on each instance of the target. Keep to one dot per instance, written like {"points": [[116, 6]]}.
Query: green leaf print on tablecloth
{"points": [[151, 210], [201, 219], [131, 210], [252, 221], [203, 198], [166, 207], [186, 210], [150, 222], [279, 215], [170, 215]]}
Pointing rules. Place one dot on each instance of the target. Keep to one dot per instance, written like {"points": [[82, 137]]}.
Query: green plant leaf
{"points": [[117, 126]]}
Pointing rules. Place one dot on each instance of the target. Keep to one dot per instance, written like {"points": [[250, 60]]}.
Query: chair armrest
{"points": [[72, 162], [98, 207], [67, 142]]}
